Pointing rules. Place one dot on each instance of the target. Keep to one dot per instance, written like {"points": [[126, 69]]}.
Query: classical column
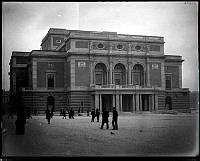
{"points": [[140, 96], [96, 101], [111, 77], [113, 100], [129, 74], [100, 102], [120, 102], [117, 102], [137, 103], [153, 100], [91, 73], [148, 75], [156, 102], [134, 103]]}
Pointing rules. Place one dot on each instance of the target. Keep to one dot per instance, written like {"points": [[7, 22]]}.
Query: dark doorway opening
{"points": [[168, 103], [145, 102], [51, 103], [127, 102], [107, 102]]}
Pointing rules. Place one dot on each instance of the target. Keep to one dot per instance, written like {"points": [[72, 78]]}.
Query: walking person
{"points": [[93, 115], [64, 113], [97, 114], [114, 119], [48, 115], [105, 116], [71, 113], [35, 112], [52, 112]]}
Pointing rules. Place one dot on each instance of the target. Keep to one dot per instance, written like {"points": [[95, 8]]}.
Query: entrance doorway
{"points": [[168, 103], [145, 102], [127, 102], [50, 103], [107, 102]]}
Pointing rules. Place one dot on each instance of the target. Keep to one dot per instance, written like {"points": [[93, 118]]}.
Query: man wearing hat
{"points": [[114, 119]]}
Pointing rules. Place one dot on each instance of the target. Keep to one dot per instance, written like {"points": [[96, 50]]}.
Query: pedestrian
{"points": [[97, 114], [105, 116], [64, 113], [71, 113], [20, 123], [79, 110], [93, 115], [35, 112], [87, 112], [48, 115], [61, 112], [114, 119], [28, 113], [52, 112]]}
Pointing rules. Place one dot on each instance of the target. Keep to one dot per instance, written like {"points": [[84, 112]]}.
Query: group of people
{"points": [[95, 114], [105, 116]]}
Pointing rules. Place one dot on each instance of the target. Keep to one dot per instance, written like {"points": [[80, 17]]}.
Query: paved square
{"points": [[144, 134]]}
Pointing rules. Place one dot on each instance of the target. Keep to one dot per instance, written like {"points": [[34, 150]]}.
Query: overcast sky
{"points": [[26, 23]]}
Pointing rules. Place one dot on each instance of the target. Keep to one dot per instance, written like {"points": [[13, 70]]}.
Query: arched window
{"points": [[119, 74], [100, 74], [138, 75]]}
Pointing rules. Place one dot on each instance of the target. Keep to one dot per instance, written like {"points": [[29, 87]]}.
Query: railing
{"points": [[27, 88]]}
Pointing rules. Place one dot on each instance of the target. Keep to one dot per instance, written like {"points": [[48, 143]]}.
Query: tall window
{"points": [[120, 74], [100, 74], [138, 75], [168, 81], [50, 80]]}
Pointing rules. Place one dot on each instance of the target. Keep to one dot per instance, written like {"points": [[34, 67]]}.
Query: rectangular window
{"points": [[154, 48], [168, 81], [50, 81], [99, 79], [81, 44]]}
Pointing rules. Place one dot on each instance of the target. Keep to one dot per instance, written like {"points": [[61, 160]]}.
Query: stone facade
{"points": [[88, 69]]}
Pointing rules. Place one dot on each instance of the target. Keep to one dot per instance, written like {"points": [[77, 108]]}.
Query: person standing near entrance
{"points": [[48, 115], [114, 119], [93, 115], [97, 114], [105, 116]]}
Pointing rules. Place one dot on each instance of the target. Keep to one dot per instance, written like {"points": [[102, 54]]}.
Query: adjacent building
{"points": [[89, 69]]}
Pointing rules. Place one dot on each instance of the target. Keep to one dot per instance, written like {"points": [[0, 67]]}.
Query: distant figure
{"points": [[20, 123], [114, 119], [71, 113], [52, 112], [64, 113], [93, 115], [79, 110], [87, 112], [61, 112], [105, 116], [97, 114], [28, 113], [48, 115], [35, 112]]}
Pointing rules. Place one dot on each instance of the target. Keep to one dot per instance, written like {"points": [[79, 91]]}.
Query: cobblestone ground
{"points": [[138, 135]]}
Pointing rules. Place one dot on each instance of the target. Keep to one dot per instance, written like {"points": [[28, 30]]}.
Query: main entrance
{"points": [[107, 102], [145, 102], [127, 103]]}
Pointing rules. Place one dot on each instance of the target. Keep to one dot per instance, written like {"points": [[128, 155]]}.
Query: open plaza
{"points": [[139, 134]]}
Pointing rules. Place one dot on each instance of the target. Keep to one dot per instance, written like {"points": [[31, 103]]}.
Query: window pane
{"points": [[50, 81]]}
